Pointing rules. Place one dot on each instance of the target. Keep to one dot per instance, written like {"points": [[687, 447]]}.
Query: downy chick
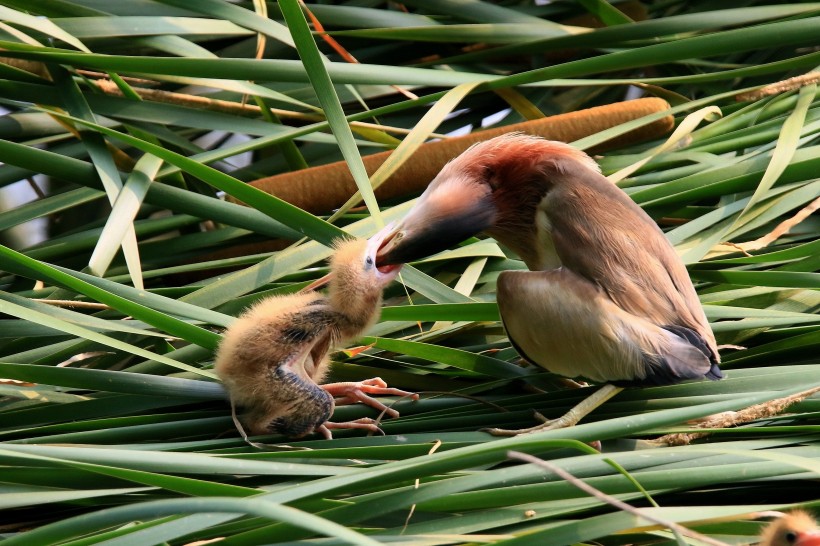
{"points": [[793, 529], [274, 356]]}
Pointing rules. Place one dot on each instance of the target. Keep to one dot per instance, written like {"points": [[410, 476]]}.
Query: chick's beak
{"points": [[385, 272], [439, 220], [809, 538]]}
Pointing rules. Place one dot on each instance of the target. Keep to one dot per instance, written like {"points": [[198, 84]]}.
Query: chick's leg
{"points": [[359, 391]]}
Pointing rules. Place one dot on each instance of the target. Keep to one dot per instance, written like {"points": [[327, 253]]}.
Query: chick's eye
{"points": [[791, 537], [368, 262]]}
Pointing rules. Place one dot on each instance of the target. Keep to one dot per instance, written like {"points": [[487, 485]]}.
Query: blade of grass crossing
{"points": [[322, 85], [260, 507], [41, 24], [785, 148], [82, 332], [126, 206], [418, 135], [284, 212], [683, 130], [103, 163], [74, 281]]}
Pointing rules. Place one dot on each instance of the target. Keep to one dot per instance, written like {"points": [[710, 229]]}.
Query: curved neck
{"points": [[359, 307]]}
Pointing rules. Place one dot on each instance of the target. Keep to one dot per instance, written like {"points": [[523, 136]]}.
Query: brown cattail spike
{"points": [[321, 189]]}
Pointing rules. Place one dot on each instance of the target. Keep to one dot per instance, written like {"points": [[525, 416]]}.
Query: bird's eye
{"points": [[368, 262], [490, 177], [791, 537]]}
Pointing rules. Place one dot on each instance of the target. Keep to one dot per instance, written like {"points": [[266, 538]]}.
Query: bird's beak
{"points": [[809, 538], [440, 218], [385, 272]]}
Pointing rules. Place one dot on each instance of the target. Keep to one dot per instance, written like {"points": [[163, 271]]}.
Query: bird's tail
{"points": [[695, 339], [714, 373]]}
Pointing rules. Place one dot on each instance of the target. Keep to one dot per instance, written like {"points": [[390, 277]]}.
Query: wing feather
{"points": [[566, 324], [602, 235]]}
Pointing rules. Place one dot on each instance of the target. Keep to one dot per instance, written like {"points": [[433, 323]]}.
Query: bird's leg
{"points": [[569, 419], [364, 423], [358, 391]]}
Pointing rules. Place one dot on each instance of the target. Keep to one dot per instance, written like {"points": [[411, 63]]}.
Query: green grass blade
{"points": [[323, 86]]}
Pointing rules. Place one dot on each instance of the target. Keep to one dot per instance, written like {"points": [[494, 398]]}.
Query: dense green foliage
{"points": [[115, 431]]}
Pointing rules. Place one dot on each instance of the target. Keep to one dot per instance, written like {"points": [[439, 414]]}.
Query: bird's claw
{"points": [[548, 424], [540, 416], [569, 419], [358, 391], [365, 423]]}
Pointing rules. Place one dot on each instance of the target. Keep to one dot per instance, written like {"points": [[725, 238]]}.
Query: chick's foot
{"points": [[358, 391], [365, 423]]}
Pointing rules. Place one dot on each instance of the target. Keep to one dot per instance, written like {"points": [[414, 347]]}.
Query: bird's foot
{"points": [[569, 419], [365, 423], [358, 391], [546, 424], [573, 384]]}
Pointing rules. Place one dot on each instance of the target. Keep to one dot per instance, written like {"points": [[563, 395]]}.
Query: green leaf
{"points": [[79, 331], [320, 80], [91, 287], [153, 509], [40, 25], [97, 423], [604, 11]]}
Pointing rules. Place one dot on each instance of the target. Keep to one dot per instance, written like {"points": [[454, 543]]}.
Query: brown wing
{"points": [[564, 323], [602, 235]]}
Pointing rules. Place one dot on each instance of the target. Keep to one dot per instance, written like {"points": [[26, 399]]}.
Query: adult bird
{"points": [[606, 297]]}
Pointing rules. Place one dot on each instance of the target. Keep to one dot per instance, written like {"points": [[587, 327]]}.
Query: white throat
{"points": [[545, 256]]}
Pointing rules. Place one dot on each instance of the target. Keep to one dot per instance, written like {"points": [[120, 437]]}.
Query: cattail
{"points": [[321, 189]]}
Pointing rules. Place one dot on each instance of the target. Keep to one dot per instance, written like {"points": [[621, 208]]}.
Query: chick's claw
{"points": [[358, 391], [365, 423]]}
